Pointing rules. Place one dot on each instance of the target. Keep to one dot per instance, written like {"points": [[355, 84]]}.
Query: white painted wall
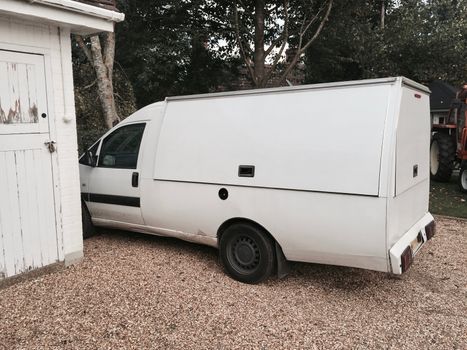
{"points": [[54, 43]]}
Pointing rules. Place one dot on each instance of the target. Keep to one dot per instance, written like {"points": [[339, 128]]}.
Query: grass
{"points": [[447, 199]]}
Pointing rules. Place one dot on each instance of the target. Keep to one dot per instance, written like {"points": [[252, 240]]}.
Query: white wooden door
{"points": [[28, 235]]}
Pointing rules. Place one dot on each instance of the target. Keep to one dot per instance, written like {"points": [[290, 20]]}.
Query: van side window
{"points": [[120, 149]]}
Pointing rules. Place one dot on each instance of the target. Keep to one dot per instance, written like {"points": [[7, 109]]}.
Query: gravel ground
{"points": [[136, 291]]}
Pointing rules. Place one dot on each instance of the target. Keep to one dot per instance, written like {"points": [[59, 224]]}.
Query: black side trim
{"points": [[85, 196], [111, 199]]}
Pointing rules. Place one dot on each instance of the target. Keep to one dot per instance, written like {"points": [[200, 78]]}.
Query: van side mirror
{"points": [[91, 159]]}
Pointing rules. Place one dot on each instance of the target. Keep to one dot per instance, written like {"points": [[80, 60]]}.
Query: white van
{"points": [[329, 173]]}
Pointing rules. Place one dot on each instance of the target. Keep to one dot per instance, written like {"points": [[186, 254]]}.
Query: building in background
{"points": [[441, 98]]}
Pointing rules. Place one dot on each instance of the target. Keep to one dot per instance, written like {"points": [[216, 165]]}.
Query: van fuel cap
{"points": [[223, 194]]}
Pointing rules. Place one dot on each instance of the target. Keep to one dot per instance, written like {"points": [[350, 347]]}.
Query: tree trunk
{"points": [[259, 43], [102, 59]]}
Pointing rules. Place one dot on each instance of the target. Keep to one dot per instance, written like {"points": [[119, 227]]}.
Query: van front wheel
{"points": [[247, 253], [88, 227]]}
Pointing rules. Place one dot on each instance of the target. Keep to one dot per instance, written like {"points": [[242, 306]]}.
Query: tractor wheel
{"points": [[442, 156], [463, 177]]}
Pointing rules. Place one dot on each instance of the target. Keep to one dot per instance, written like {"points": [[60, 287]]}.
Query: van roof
{"points": [[145, 113], [391, 80]]}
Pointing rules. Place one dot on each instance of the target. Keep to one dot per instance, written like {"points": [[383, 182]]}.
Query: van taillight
{"points": [[430, 230], [406, 259]]}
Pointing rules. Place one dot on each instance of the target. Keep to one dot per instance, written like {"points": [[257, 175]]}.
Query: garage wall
{"points": [[54, 43]]}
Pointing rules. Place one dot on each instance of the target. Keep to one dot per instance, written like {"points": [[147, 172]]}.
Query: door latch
{"points": [[135, 179], [50, 145]]}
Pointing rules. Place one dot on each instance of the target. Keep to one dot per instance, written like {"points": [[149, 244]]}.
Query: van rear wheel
{"points": [[247, 253]]}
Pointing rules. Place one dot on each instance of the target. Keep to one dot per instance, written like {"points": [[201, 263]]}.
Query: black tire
{"points": [[88, 228], [463, 177], [442, 156], [247, 253]]}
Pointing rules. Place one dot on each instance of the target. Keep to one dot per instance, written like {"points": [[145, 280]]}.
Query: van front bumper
{"points": [[404, 250]]}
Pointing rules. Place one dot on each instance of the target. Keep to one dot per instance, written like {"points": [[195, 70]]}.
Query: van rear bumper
{"points": [[410, 239]]}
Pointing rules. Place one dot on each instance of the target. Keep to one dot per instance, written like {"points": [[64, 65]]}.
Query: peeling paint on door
{"points": [[33, 113], [18, 97]]}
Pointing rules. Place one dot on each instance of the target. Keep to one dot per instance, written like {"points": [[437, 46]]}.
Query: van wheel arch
{"points": [[282, 266], [239, 220]]}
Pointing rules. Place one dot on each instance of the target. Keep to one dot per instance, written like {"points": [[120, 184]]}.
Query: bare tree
{"points": [[100, 52], [256, 59]]}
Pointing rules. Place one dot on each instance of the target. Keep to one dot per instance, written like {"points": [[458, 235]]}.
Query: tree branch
{"points": [[239, 40], [106, 48], [109, 52], [284, 36], [96, 50], [271, 10], [83, 46], [315, 17], [319, 29], [241, 3], [284, 43], [301, 49], [383, 14], [90, 85]]}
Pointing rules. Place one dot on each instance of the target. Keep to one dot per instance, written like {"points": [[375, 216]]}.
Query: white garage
{"points": [[40, 211]]}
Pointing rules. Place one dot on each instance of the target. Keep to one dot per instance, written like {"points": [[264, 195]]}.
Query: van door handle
{"points": [[246, 171], [134, 179]]}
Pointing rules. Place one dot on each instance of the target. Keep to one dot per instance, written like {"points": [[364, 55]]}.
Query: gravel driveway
{"points": [[136, 291]]}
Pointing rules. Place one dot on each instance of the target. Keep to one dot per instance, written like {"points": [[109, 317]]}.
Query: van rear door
{"points": [[412, 140], [409, 202]]}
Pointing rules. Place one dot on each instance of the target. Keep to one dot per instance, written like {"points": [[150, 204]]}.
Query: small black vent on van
{"points": [[415, 170], [246, 170]]}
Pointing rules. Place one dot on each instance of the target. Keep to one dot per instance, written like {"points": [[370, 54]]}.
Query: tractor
{"points": [[449, 142]]}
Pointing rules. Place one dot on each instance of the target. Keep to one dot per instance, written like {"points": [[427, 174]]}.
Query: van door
{"points": [[114, 191], [412, 167]]}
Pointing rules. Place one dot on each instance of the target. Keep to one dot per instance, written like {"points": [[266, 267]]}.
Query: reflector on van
{"points": [[406, 259]]}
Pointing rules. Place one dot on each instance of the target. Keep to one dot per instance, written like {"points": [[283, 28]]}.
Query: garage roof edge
{"points": [[82, 8]]}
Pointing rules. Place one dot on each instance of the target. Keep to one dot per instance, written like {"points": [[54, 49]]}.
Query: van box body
{"points": [[337, 173]]}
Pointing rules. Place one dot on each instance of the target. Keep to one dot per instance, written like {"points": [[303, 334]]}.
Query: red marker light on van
{"points": [[406, 259], [418, 96], [430, 230]]}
